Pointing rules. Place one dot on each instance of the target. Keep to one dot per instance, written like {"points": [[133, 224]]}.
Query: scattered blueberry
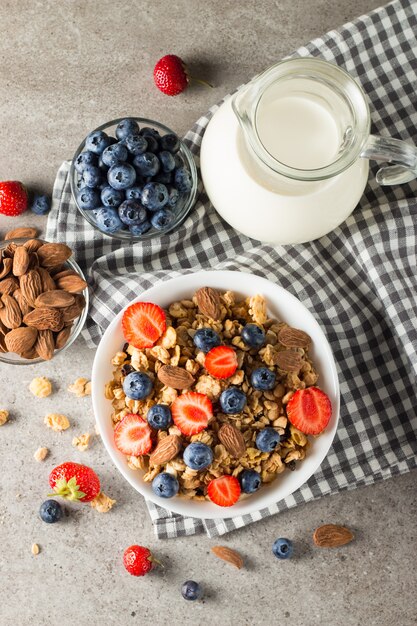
{"points": [[198, 455], [121, 176], [140, 229], [159, 416], [267, 439], [97, 141], [165, 485], [191, 590], [147, 164], [41, 205], [183, 180], [88, 199], [50, 511], [134, 193], [108, 219], [114, 154], [85, 158], [250, 480], [126, 127], [232, 400], [263, 379], [173, 196], [167, 161], [154, 196], [170, 142], [253, 336], [205, 339], [136, 144], [283, 548], [131, 212], [112, 197], [91, 176], [137, 385], [161, 219]]}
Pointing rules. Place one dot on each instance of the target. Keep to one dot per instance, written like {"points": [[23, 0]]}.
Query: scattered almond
{"points": [[41, 387], [53, 254], [166, 450], [102, 503], [82, 442], [35, 549], [81, 387], [233, 440], [44, 318], [55, 298], [289, 361], [45, 344], [32, 245], [8, 285], [229, 555], [57, 422], [21, 340], [72, 283], [332, 536], [293, 338], [21, 233], [175, 377], [31, 286], [4, 416], [20, 261], [41, 454], [62, 337], [208, 302]]}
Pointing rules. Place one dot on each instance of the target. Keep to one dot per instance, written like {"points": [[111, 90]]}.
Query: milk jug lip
{"points": [[324, 81]]}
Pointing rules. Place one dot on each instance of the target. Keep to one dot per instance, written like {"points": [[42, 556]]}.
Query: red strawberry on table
{"points": [[221, 362], [309, 410], [13, 198], [224, 491], [171, 75], [191, 412], [138, 560], [132, 435], [143, 323], [74, 481]]}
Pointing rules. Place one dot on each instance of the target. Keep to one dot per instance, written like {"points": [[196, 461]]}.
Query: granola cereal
{"points": [[102, 503], [262, 409], [41, 454], [80, 387], [57, 422], [4, 416], [82, 442], [41, 387]]}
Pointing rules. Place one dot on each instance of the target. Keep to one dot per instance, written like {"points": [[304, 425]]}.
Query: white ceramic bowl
{"points": [[281, 305]]}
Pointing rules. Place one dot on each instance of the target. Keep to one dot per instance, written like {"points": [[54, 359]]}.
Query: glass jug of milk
{"points": [[285, 159]]}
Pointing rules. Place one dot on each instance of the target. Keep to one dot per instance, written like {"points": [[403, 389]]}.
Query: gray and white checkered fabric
{"points": [[359, 281]]}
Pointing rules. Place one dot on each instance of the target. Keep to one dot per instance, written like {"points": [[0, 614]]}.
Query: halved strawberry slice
{"points": [[309, 410], [143, 323], [224, 491], [221, 362], [191, 412], [132, 435]]}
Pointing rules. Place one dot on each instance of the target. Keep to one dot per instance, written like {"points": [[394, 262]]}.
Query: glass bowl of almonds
{"points": [[43, 299]]}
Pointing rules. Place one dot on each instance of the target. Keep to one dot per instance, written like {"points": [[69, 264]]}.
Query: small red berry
{"points": [[170, 75], [138, 560], [13, 198], [74, 481]]}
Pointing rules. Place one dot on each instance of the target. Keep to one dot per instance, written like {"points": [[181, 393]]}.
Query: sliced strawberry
{"points": [[224, 491], [191, 412], [309, 410], [132, 435], [143, 323], [221, 362]]}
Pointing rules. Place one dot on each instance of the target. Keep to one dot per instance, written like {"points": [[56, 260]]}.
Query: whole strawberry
{"points": [[171, 75], [13, 198], [138, 560], [74, 481]]}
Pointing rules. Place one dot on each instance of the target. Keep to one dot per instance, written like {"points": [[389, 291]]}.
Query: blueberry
{"points": [[205, 339], [161, 219], [41, 205], [91, 176], [112, 197], [121, 176], [173, 195], [178, 161], [147, 164], [148, 131], [116, 153], [250, 480], [263, 379], [136, 144], [283, 548], [159, 416], [134, 193], [170, 142], [88, 199], [191, 590], [232, 400], [198, 456], [97, 141], [253, 336], [267, 439], [137, 385], [165, 485], [126, 127], [140, 229], [167, 161], [85, 158], [163, 177], [107, 219], [131, 212], [183, 180], [50, 511], [154, 196]]}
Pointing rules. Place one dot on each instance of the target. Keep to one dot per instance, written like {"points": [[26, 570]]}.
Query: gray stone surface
{"points": [[67, 66]]}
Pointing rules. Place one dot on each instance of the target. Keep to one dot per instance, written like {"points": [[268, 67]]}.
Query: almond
{"points": [[72, 312], [45, 344], [20, 340], [31, 286], [5, 267], [22, 302], [21, 233], [48, 283], [332, 536], [229, 555], [175, 377], [9, 250], [293, 338], [8, 285], [10, 314], [166, 450], [2, 344], [62, 337], [53, 254], [33, 260], [63, 273], [20, 261], [56, 298], [71, 283], [29, 354], [44, 318], [233, 440], [289, 361], [33, 244], [208, 302]]}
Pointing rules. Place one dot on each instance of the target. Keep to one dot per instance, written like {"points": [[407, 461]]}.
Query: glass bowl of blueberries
{"points": [[134, 179]]}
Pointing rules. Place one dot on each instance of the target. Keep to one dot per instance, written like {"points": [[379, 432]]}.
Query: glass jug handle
{"points": [[401, 154]]}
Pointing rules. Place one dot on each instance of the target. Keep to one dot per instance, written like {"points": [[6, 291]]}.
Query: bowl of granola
{"points": [[216, 394]]}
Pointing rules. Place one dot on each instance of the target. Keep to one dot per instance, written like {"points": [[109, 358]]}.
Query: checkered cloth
{"points": [[359, 281]]}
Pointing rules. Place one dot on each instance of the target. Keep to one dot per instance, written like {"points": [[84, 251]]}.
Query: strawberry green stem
{"points": [[200, 81], [68, 490]]}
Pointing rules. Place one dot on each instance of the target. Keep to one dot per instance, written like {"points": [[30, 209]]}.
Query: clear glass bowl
{"points": [[14, 359], [184, 204]]}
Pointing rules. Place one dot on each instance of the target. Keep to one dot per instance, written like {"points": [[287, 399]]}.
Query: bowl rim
{"points": [[188, 204], [180, 505], [79, 322]]}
